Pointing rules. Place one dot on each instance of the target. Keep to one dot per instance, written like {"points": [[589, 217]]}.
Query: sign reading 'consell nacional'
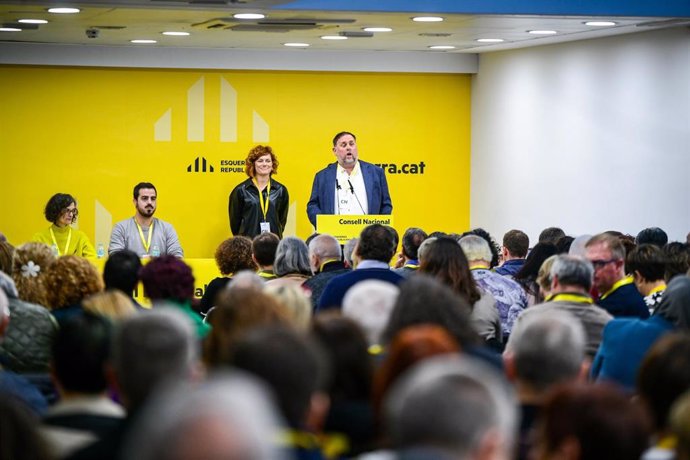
{"points": [[365, 221], [344, 228]]}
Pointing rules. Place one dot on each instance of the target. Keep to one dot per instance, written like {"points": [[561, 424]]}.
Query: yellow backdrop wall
{"points": [[96, 132]]}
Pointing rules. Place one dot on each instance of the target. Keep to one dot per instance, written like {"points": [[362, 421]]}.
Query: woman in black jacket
{"points": [[260, 203]]}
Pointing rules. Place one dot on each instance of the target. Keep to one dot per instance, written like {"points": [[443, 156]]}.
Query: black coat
{"points": [[245, 213]]}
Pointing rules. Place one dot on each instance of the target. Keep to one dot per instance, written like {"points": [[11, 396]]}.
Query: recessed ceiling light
{"points": [[378, 29], [333, 37], [248, 16], [490, 40], [600, 23], [63, 10], [296, 45], [176, 34], [542, 32], [33, 21], [427, 19], [143, 42], [442, 47], [10, 29]]}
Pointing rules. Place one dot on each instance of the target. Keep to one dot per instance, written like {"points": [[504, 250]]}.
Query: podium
{"points": [[345, 227]]}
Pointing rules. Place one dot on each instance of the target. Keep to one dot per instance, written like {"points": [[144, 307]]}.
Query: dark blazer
{"points": [[323, 191], [624, 344], [334, 292], [317, 283]]}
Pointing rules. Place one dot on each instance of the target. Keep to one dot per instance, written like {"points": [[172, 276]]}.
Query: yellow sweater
{"points": [[79, 244]]}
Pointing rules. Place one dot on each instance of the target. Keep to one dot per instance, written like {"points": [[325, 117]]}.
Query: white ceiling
{"points": [[212, 26]]}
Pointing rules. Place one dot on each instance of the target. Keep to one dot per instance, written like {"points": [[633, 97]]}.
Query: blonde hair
{"points": [[544, 274], [30, 264], [111, 304], [296, 303]]}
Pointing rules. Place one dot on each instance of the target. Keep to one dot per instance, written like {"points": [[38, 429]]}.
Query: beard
{"points": [[146, 211], [348, 161]]}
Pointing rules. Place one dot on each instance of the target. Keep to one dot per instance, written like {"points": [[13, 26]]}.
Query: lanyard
{"points": [[69, 238], [303, 439], [264, 204], [266, 275], [147, 244], [578, 298], [659, 288], [375, 349], [616, 285], [326, 262], [667, 442]]}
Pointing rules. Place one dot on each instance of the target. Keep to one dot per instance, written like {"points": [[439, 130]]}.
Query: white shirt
{"points": [[346, 201]]}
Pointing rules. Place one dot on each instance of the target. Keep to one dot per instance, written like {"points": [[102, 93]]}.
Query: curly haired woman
{"points": [[61, 211], [232, 256], [29, 267], [68, 281], [260, 203]]}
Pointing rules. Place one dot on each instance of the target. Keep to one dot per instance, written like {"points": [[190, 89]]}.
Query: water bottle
{"points": [[100, 251], [155, 251]]}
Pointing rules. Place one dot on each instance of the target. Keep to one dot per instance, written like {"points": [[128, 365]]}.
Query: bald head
{"points": [[322, 249]]}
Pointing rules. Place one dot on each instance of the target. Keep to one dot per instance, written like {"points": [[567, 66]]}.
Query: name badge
{"points": [[265, 227]]}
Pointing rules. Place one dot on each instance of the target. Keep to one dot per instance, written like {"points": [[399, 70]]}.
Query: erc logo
{"points": [[200, 165]]}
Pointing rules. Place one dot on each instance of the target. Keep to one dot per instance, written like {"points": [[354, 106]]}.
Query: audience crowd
{"points": [[430, 346]]}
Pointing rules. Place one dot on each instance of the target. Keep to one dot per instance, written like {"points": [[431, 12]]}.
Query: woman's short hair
{"points": [[29, 267], [167, 278], [70, 280], [296, 302], [256, 153], [56, 204], [234, 255], [111, 304], [292, 256]]}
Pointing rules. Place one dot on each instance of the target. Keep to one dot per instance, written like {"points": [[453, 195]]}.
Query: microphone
{"points": [[338, 188], [352, 189]]}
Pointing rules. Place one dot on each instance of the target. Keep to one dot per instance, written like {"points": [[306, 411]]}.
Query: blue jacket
{"points": [[333, 294], [510, 267], [322, 200], [624, 344]]}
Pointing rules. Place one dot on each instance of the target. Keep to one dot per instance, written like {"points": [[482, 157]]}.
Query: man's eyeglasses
{"points": [[74, 212], [597, 264]]}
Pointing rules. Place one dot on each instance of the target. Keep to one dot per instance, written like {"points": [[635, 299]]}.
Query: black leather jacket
{"points": [[245, 213]]}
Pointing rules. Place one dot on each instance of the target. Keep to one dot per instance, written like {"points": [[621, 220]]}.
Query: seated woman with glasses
{"points": [[61, 212]]}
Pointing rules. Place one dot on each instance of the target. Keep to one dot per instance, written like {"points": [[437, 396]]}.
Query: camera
{"points": [[92, 32]]}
